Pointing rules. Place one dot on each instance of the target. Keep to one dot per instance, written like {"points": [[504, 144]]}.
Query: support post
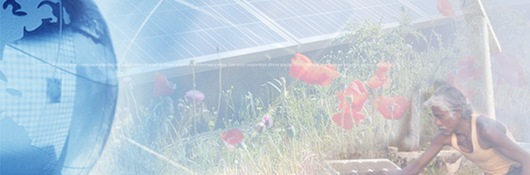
{"points": [[483, 43], [483, 103]]}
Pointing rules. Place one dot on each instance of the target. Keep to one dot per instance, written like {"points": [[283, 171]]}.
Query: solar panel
{"points": [[427, 6], [363, 167], [175, 31], [304, 19], [165, 31]]}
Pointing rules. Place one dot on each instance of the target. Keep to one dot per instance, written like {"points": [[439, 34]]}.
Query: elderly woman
{"points": [[480, 139]]}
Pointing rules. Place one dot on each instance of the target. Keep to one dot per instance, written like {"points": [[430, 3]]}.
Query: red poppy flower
{"points": [[468, 69], [381, 76], [509, 69], [392, 107], [445, 8], [347, 117], [355, 95], [401, 105], [303, 69], [229, 147], [455, 82], [374, 82], [162, 86], [232, 137], [384, 66]]}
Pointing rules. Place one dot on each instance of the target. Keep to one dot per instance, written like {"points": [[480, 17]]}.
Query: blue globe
{"points": [[58, 86]]}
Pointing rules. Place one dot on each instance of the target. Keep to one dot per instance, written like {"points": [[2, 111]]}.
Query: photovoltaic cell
{"points": [[176, 29], [310, 18], [144, 32], [427, 6]]}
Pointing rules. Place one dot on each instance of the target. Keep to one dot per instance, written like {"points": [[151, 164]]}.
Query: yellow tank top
{"points": [[489, 161]]}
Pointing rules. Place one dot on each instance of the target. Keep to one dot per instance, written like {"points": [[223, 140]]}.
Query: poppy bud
{"points": [[284, 92], [169, 107], [349, 98], [391, 108], [260, 127], [267, 120]]}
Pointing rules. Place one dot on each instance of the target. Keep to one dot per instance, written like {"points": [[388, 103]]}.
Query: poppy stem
{"points": [[308, 102], [371, 123], [390, 130], [193, 105], [352, 120], [284, 98], [220, 87], [306, 91], [135, 107], [342, 125], [129, 105], [292, 157]]}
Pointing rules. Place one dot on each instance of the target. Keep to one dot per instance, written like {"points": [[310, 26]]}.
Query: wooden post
{"points": [[483, 103], [483, 43]]}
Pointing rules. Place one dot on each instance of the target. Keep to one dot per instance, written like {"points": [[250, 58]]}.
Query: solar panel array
{"points": [[159, 32], [306, 19], [363, 167], [169, 31], [428, 7]]}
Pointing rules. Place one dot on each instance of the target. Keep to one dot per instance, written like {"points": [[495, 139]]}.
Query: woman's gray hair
{"points": [[450, 99]]}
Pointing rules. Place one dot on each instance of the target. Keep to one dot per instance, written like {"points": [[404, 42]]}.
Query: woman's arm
{"points": [[437, 144]]}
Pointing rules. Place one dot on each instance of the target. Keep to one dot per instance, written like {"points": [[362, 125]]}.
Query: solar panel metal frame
{"points": [[290, 46]]}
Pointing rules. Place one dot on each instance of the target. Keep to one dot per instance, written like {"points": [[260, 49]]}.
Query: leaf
{"points": [[14, 92], [279, 82], [3, 77], [275, 87]]}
